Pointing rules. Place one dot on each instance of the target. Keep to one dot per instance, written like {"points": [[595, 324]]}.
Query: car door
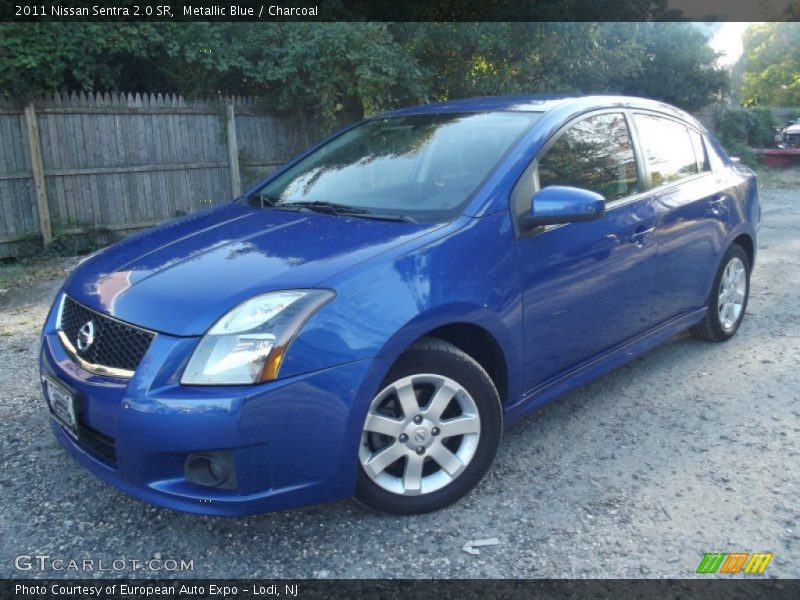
{"points": [[692, 208], [587, 286]]}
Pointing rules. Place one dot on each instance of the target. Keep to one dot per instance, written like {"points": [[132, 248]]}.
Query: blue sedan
{"points": [[367, 320]]}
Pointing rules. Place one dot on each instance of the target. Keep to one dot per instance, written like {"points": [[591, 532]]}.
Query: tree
{"points": [[772, 65], [675, 64], [343, 71], [43, 57], [330, 68], [665, 61], [336, 69]]}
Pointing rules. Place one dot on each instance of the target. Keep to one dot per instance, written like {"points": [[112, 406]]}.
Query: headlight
{"points": [[247, 344]]}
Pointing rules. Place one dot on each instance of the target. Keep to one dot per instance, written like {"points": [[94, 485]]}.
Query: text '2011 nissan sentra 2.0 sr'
{"points": [[368, 319]]}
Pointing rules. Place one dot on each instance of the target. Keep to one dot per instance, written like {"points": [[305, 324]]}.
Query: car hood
{"points": [[180, 277], [792, 128]]}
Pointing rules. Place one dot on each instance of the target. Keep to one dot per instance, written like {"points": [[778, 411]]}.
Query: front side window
{"points": [[667, 148], [420, 166], [594, 154]]}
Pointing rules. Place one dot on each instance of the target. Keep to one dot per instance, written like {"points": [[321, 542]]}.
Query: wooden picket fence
{"points": [[73, 163]]}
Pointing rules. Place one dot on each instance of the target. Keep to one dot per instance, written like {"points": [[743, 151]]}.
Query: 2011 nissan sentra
{"points": [[367, 320]]}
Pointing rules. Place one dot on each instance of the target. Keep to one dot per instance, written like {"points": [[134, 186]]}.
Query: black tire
{"points": [[710, 328], [434, 356]]}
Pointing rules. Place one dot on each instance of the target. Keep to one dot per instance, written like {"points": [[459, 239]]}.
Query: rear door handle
{"points": [[640, 237], [718, 204]]}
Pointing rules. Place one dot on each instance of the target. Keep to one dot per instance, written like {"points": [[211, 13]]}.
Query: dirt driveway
{"points": [[692, 448]]}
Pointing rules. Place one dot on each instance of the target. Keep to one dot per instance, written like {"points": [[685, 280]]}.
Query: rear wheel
{"points": [[728, 300], [430, 433]]}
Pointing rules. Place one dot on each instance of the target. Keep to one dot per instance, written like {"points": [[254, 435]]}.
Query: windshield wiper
{"points": [[380, 217], [343, 210], [327, 208]]}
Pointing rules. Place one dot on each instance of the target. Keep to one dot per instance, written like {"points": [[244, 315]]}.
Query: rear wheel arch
{"points": [[746, 243], [717, 325], [742, 239]]}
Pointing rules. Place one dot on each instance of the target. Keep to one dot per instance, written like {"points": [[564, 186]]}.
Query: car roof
{"points": [[571, 104]]}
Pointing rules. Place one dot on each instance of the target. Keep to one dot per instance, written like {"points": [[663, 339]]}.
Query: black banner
{"points": [[200, 589], [393, 10]]}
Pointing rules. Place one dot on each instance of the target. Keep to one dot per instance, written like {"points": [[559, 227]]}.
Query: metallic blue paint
{"points": [[564, 204], [593, 279], [564, 305], [242, 250]]}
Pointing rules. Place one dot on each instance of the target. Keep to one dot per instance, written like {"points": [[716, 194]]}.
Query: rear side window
{"points": [[668, 149], [594, 154], [699, 151]]}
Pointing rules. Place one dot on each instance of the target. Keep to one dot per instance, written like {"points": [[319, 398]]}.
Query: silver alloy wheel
{"points": [[732, 288], [426, 447]]}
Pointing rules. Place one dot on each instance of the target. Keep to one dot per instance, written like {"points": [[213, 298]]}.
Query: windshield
{"points": [[416, 167]]}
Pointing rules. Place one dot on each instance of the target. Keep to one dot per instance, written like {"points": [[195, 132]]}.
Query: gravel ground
{"points": [[689, 449]]}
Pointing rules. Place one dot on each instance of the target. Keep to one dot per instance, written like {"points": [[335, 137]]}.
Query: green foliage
{"points": [[742, 129], [665, 61], [45, 57], [743, 152], [754, 127], [342, 71], [30, 249], [673, 63], [772, 64]]}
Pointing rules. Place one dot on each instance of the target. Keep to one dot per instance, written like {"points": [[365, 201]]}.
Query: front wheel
{"points": [[728, 300], [430, 433]]}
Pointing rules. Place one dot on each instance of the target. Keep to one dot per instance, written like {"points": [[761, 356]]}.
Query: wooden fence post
{"points": [[37, 167], [233, 152]]}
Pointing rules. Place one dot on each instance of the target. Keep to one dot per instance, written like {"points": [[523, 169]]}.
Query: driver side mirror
{"points": [[558, 204]]}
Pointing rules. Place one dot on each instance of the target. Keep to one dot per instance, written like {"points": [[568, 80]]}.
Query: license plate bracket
{"points": [[63, 406]]}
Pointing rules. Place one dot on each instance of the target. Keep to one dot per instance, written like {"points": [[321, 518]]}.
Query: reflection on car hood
{"points": [[180, 277], [792, 128]]}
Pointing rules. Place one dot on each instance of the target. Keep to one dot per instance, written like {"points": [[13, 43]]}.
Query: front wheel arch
{"points": [[399, 407], [479, 332]]}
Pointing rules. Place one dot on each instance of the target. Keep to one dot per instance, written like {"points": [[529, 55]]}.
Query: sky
{"points": [[728, 41]]}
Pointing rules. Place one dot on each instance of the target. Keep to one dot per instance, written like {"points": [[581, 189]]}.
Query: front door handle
{"points": [[639, 237]]}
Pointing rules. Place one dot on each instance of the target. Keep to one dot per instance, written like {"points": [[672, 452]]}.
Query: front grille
{"points": [[793, 140], [116, 345]]}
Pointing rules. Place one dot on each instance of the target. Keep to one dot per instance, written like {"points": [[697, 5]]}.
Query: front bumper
{"points": [[294, 441]]}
